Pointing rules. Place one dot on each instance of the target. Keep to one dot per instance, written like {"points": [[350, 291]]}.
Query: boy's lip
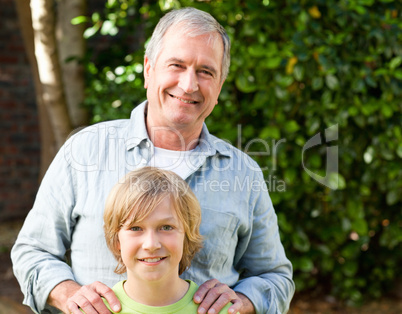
{"points": [[154, 259]]}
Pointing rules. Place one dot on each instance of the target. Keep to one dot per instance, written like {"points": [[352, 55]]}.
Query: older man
{"points": [[243, 261]]}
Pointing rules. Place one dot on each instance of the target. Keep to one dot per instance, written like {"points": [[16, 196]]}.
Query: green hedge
{"points": [[298, 68]]}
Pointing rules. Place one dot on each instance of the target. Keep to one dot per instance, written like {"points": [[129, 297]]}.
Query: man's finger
{"points": [[214, 303], [236, 307], [108, 294], [80, 302], [113, 301], [203, 290], [222, 301], [73, 308], [216, 299]]}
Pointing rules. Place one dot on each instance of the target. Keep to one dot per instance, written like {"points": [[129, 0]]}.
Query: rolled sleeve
{"points": [[38, 255], [266, 273]]}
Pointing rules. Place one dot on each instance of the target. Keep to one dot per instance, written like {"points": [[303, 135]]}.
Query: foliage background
{"points": [[298, 68]]}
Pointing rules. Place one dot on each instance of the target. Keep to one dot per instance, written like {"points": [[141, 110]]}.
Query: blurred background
{"points": [[313, 94]]}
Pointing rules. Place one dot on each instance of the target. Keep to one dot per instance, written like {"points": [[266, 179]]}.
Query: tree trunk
{"points": [[48, 67], [48, 144], [71, 47]]}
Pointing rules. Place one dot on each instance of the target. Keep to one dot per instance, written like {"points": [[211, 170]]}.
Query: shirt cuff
{"points": [[258, 292], [39, 288]]}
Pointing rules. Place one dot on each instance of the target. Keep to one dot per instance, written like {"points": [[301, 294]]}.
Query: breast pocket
{"points": [[219, 231]]}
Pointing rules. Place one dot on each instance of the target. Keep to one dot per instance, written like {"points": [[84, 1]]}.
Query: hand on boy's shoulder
{"points": [[195, 287], [185, 306], [108, 307]]}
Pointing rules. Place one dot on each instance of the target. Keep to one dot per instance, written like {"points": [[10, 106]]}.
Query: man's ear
{"points": [[147, 69], [220, 89]]}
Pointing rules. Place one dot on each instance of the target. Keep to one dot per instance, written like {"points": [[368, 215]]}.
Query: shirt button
{"points": [[146, 144]]}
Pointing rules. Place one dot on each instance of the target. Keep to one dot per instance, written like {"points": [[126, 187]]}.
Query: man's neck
{"points": [[156, 293], [173, 138]]}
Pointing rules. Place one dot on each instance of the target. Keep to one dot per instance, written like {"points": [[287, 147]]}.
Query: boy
{"points": [[151, 226]]}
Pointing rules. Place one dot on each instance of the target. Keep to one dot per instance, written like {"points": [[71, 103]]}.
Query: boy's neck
{"points": [[156, 293]]}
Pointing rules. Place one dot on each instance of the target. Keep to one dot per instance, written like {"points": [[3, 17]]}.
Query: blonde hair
{"points": [[138, 195]]}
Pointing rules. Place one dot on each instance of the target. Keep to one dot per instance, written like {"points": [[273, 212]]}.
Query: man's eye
{"points": [[207, 73], [167, 228]]}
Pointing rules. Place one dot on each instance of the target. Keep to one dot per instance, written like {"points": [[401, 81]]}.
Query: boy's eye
{"points": [[167, 228], [135, 228]]}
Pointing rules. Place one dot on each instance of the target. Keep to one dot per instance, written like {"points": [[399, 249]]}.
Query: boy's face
{"points": [[152, 249]]}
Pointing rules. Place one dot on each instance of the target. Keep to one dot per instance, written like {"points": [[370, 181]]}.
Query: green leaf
{"points": [[300, 241], [336, 181], [399, 150], [350, 269], [360, 226], [257, 51], [306, 264], [395, 62], [317, 83], [89, 32], [392, 197], [109, 28], [79, 20], [273, 63], [270, 132], [245, 84], [332, 82], [291, 126], [398, 74]]}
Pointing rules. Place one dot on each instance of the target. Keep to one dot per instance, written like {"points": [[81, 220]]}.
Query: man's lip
{"points": [[185, 99]]}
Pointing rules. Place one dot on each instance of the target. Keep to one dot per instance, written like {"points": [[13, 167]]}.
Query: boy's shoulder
{"points": [[183, 306]]}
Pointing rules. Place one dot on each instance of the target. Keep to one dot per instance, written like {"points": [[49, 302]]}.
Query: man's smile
{"points": [[187, 101]]}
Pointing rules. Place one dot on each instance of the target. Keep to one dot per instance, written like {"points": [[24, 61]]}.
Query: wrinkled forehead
{"points": [[185, 30]]}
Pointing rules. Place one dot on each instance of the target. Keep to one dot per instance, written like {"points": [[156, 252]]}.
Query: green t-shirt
{"points": [[185, 305]]}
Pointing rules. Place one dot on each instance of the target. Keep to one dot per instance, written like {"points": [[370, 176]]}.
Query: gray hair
{"points": [[195, 22]]}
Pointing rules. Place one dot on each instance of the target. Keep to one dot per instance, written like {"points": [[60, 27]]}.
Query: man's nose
{"points": [[188, 81], [151, 241]]}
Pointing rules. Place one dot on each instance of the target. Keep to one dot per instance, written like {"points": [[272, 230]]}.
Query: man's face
{"points": [[185, 82]]}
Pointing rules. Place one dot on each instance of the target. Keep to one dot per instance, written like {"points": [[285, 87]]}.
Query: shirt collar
{"points": [[137, 133]]}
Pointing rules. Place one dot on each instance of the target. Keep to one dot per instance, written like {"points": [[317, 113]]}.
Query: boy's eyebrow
{"points": [[204, 66], [168, 219]]}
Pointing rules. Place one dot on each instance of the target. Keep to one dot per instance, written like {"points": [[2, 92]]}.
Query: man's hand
{"points": [[70, 297], [214, 295]]}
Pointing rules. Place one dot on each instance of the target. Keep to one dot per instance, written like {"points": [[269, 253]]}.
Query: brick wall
{"points": [[19, 128]]}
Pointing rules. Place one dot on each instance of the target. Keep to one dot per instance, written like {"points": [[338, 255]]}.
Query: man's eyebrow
{"points": [[204, 66], [175, 60]]}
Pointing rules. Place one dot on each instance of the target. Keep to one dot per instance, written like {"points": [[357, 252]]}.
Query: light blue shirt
{"points": [[242, 247]]}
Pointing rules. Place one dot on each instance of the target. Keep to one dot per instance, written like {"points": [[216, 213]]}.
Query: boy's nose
{"points": [[151, 241]]}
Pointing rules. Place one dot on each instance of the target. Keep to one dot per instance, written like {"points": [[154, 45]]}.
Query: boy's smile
{"points": [[152, 248]]}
